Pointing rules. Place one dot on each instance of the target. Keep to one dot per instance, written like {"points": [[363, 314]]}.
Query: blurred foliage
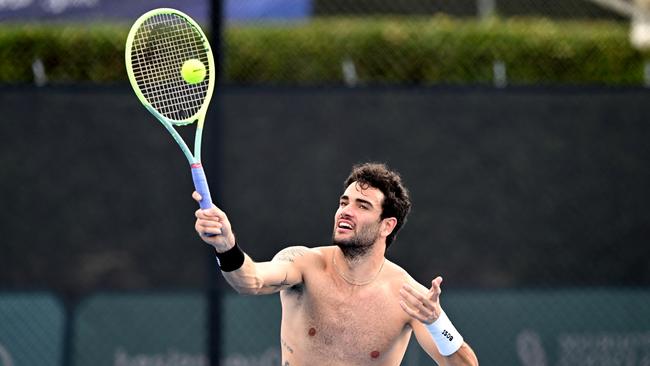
{"points": [[406, 50], [434, 50], [70, 53]]}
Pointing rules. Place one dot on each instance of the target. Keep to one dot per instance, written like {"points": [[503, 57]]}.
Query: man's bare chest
{"points": [[358, 324]]}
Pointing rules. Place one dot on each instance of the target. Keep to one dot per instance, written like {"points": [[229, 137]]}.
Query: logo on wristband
{"points": [[448, 335]]}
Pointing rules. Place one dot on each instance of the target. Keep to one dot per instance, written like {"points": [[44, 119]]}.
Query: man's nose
{"points": [[346, 212]]}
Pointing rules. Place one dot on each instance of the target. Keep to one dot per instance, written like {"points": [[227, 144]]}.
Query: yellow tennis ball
{"points": [[193, 71]]}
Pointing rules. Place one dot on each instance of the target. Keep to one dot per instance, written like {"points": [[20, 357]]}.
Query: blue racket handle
{"points": [[201, 185]]}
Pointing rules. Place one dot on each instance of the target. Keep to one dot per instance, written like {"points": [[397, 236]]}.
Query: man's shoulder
{"points": [[396, 274], [300, 253]]}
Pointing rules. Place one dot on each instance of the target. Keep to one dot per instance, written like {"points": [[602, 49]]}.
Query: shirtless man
{"points": [[346, 304]]}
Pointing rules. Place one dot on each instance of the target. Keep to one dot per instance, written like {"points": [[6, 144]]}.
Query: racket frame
{"points": [[193, 158]]}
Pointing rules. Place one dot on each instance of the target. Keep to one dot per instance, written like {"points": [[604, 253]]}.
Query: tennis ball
{"points": [[193, 71]]}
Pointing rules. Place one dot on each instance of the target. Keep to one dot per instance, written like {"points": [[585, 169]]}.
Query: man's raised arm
{"points": [[241, 272]]}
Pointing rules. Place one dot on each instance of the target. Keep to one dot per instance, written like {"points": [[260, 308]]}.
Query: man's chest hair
{"points": [[367, 318]]}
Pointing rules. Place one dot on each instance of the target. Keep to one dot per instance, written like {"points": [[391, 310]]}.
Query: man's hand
{"points": [[421, 305], [213, 227]]}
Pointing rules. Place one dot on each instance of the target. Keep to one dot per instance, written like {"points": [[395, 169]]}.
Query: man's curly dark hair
{"points": [[397, 202]]}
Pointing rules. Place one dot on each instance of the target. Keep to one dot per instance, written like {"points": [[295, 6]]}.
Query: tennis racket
{"points": [[171, 69]]}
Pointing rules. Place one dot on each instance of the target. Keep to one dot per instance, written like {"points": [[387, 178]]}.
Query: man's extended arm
{"points": [[241, 272], [259, 278]]}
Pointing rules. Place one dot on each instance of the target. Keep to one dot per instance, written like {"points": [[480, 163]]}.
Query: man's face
{"points": [[357, 223]]}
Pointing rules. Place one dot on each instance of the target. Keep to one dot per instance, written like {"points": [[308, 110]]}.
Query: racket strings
{"points": [[173, 97], [175, 93], [160, 47]]}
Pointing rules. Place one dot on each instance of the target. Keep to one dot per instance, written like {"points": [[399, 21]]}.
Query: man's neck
{"points": [[359, 269]]}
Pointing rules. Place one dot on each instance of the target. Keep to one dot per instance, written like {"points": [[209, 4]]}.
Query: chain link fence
{"points": [[496, 43], [32, 328], [518, 328], [573, 9], [422, 42], [365, 42]]}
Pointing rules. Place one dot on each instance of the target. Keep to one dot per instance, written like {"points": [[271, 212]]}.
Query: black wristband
{"points": [[231, 259]]}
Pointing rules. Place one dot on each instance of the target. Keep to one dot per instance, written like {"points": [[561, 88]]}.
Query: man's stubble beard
{"points": [[360, 244]]}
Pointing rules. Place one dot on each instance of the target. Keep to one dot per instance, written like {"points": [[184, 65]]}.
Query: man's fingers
{"points": [[410, 312], [210, 214], [209, 223], [435, 289], [416, 309], [205, 214], [412, 292], [425, 298], [420, 303], [209, 226], [416, 301], [197, 197], [211, 231]]}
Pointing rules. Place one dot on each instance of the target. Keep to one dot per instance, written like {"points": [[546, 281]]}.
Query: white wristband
{"points": [[445, 335]]}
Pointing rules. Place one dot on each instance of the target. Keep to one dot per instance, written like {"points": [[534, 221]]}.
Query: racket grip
{"points": [[201, 186]]}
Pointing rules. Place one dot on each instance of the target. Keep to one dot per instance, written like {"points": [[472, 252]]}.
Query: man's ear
{"points": [[388, 225]]}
